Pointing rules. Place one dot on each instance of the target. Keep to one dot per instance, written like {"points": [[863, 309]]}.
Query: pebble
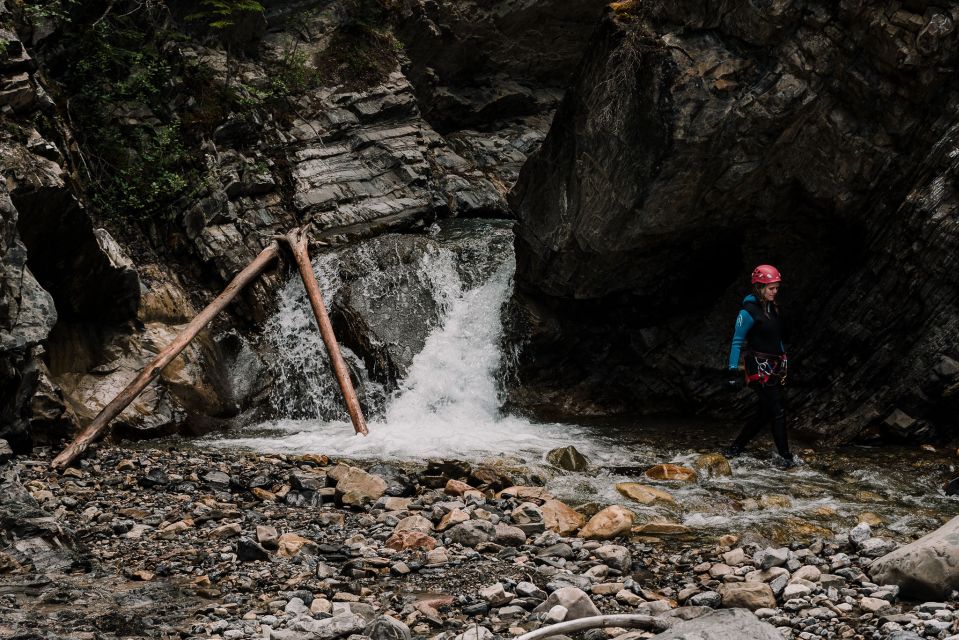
{"points": [[284, 569]]}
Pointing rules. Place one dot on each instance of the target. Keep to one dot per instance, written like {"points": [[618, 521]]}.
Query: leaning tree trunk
{"points": [[299, 246], [152, 371]]}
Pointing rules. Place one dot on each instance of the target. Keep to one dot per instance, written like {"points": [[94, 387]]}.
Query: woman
{"points": [[759, 336]]}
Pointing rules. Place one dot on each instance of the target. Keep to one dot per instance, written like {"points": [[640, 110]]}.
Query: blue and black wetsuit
{"points": [[759, 337]]}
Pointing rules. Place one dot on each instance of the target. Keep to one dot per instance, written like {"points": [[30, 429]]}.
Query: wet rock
{"points": [[748, 595], [644, 494], [671, 472], [567, 458], [609, 523], [560, 518], [713, 464], [537, 494], [661, 526], [926, 568]]}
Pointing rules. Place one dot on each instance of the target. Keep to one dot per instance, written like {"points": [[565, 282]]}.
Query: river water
{"points": [[449, 407]]}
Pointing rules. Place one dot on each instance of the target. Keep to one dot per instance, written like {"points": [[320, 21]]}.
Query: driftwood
{"points": [[625, 621], [150, 373], [300, 248]]}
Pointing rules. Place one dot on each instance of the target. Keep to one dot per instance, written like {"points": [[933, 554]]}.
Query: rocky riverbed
{"points": [[186, 543]]}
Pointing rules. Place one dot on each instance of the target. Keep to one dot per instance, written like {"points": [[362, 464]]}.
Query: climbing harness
{"points": [[769, 366]]}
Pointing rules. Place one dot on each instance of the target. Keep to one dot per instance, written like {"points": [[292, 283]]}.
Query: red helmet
{"points": [[766, 274]]}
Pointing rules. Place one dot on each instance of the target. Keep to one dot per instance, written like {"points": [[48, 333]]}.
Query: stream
{"points": [[448, 407]]}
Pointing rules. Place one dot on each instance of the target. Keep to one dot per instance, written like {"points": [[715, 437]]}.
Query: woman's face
{"points": [[770, 291]]}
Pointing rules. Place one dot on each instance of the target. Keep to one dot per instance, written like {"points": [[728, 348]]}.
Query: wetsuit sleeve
{"points": [[744, 322]]}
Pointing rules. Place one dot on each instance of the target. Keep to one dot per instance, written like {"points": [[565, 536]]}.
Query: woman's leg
{"points": [[772, 397], [752, 427]]}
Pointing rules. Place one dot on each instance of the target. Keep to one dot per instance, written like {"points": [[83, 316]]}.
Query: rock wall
{"points": [[700, 139], [307, 113], [476, 63]]}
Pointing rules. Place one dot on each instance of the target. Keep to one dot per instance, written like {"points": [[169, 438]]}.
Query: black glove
{"points": [[734, 380]]}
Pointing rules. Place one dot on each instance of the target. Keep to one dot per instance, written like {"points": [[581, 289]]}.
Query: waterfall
{"points": [[449, 402]]}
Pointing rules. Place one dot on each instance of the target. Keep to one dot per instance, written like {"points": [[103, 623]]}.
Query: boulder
{"points": [[729, 624], [357, 487], [404, 539], [615, 556], [472, 533], [567, 458], [528, 517], [560, 518], [291, 544], [713, 464], [576, 601], [454, 517], [609, 523], [748, 595], [339, 626], [248, 550], [509, 536], [926, 569], [671, 472], [644, 494], [414, 523]]}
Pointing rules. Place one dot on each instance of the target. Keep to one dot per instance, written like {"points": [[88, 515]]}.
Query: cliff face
{"points": [[700, 139], [150, 150]]}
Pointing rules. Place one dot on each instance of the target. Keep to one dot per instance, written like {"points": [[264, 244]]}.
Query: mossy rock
{"points": [[568, 458]]}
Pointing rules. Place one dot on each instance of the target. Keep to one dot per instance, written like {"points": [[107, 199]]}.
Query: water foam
{"points": [[447, 406]]}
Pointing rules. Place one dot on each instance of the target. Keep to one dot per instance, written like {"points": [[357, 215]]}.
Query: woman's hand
{"points": [[734, 380]]}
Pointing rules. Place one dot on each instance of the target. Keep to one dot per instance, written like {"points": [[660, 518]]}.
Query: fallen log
{"points": [[171, 351], [300, 248], [623, 620]]}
